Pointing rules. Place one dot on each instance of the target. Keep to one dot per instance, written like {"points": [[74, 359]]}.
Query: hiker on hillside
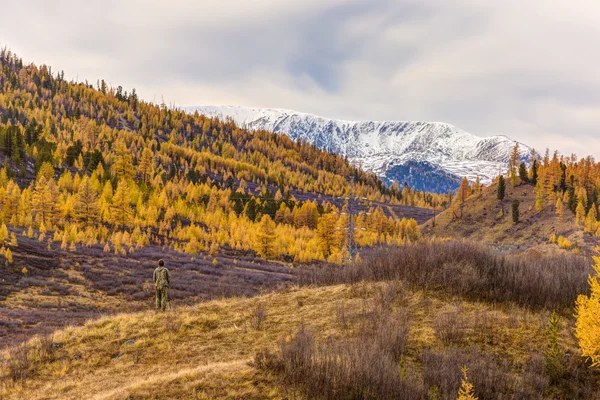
{"points": [[162, 279]]}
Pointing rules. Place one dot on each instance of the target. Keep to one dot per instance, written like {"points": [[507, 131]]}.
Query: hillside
{"points": [[402, 151], [483, 218], [231, 348], [86, 165]]}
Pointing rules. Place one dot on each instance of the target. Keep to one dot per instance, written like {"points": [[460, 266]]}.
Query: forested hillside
{"points": [[88, 164]]}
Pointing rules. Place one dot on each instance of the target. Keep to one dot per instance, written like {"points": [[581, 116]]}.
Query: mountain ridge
{"points": [[382, 146]]}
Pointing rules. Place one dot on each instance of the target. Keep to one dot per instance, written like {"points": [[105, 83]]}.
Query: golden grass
{"points": [[205, 351]]}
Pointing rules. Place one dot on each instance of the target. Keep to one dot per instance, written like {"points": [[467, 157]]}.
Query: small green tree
{"points": [[515, 211], [501, 188], [534, 172], [523, 172]]}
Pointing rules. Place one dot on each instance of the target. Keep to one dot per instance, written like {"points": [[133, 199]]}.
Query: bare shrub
{"points": [[491, 379], [534, 382], [450, 327], [341, 317], [267, 360], [46, 347], [345, 369], [392, 334], [258, 317], [19, 365], [470, 270]]}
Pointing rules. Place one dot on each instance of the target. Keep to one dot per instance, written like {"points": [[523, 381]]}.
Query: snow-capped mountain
{"points": [[431, 156]]}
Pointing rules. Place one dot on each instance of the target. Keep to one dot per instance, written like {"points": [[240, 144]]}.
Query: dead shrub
{"points": [[392, 334], [491, 379], [258, 317], [355, 368], [341, 317], [468, 269], [450, 327]]}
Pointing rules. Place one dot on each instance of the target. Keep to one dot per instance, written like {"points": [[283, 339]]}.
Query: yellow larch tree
{"points": [[587, 313], [86, 204], [120, 210]]}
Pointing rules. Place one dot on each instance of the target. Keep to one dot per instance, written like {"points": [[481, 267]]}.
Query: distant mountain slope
{"points": [[390, 149]]}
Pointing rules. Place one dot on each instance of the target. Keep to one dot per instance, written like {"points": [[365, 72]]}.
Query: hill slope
{"points": [[208, 350], [86, 164], [486, 219], [446, 152]]}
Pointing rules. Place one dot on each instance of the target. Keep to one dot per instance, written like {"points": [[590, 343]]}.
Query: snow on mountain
{"points": [[393, 150]]}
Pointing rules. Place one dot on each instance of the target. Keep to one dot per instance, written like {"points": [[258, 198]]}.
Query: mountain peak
{"points": [[394, 150]]}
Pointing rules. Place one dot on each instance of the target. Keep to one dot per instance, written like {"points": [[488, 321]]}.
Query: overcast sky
{"points": [[528, 69]]}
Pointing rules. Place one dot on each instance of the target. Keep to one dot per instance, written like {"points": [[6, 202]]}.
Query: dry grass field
{"points": [[385, 334]]}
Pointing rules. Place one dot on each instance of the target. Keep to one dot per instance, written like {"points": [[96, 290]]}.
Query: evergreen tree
{"points": [[515, 211], [534, 172], [501, 188], [523, 172]]}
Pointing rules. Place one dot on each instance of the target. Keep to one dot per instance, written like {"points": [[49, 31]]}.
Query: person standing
{"points": [[162, 279]]}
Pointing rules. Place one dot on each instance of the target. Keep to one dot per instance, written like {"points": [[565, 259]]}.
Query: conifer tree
{"points": [[86, 205], [580, 213], [591, 221], [534, 172], [3, 234], [523, 172], [477, 185], [120, 209], [515, 211], [553, 354], [514, 159], [123, 166], [265, 237], [539, 197], [559, 207], [327, 234], [146, 166], [501, 188], [466, 391], [587, 312], [43, 200], [464, 191]]}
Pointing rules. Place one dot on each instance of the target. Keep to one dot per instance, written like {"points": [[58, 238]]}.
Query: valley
{"points": [[308, 258]]}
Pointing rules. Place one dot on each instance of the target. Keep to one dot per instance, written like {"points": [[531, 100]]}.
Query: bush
{"points": [[450, 327], [259, 316], [469, 270], [344, 369], [490, 378]]}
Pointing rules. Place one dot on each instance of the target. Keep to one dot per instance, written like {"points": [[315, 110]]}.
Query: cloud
{"points": [[524, 69]]}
